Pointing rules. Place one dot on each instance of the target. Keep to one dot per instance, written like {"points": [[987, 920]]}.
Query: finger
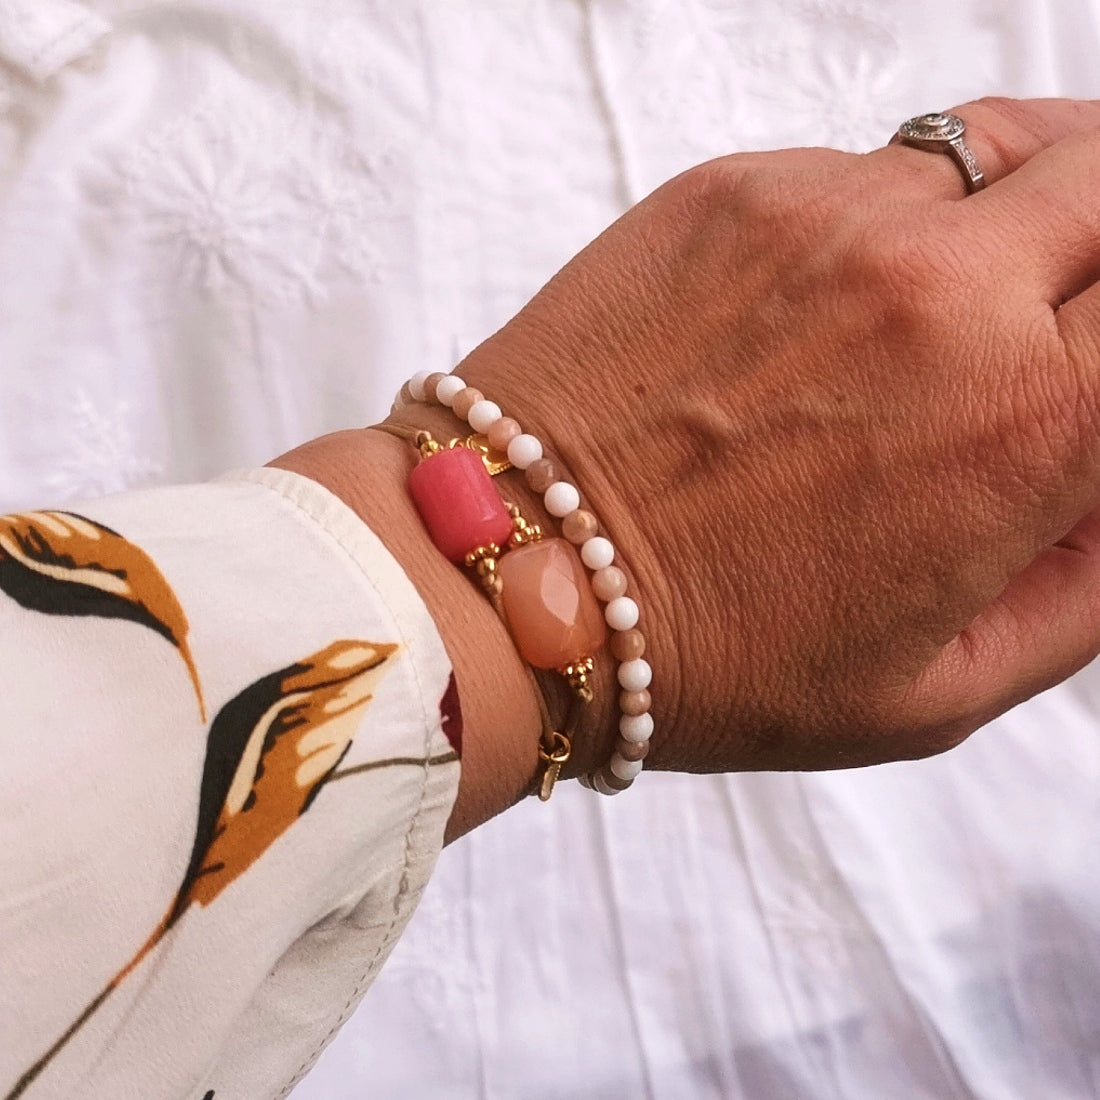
{"points": [[1039, 631], [1003, 134], [1044, 217]]}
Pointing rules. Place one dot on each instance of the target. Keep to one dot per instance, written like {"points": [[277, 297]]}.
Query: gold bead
{"points": [[522, 531], [482, 554], [577, 676]]}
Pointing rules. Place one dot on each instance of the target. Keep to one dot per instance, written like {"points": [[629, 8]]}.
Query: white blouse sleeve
{"points": [[230, 746]]}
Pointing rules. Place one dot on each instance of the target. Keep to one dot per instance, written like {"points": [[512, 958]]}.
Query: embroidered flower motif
{"points": [[102, 455], [219, 222], [247, 194], [843, 78], [721, 77]]}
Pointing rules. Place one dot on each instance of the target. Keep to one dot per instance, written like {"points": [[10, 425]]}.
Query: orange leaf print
{"points": [[270, 751], [60, 563]]}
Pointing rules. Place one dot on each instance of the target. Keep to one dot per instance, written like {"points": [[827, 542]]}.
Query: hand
{"points": [[842, 424]]}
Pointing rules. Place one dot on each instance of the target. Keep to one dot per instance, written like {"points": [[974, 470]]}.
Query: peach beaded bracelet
{"points": [[580, 528]]}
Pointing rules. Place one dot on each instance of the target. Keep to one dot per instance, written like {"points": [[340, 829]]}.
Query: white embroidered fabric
{"points": [[230, 225]]}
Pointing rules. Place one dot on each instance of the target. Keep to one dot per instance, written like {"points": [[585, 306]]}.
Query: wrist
{"points": [[368, 471], [595, 732]]}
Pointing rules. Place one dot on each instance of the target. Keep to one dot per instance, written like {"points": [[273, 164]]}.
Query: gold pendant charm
{"points": [[549, 778], [552, 761]]}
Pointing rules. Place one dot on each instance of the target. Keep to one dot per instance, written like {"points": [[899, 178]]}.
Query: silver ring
{"points": [[942, 133]]}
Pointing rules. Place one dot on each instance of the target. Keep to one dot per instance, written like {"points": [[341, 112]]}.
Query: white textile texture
{"points": [[230, 225]]}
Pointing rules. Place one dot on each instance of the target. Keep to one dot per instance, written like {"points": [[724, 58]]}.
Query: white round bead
{"points": [[448, 389], [636, 728], [635, 675], [621, 613], [597, 552], [523, 450], [561, 499], [626, 770], [600, 784], [416, 384], [483, 415]]}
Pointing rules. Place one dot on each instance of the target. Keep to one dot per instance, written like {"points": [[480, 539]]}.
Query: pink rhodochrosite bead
{"points": [[459, 503], [552, 614]]}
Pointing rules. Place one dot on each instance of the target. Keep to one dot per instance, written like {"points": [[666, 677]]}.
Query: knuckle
{"points": [[1002, 107], [1006, 128], [1030, 424], [781, 197], [1075, 353], [902, 273], [1014, 130], [1005, 115]]}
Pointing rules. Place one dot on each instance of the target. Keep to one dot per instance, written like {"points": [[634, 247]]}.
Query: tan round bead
{"points": [[631, 750], [465, 400], [627, 645], [503, 432], [579, 526], [404, 398], [635, 702], [613, 781], [608, 583], [430, 384], [541, 474]]}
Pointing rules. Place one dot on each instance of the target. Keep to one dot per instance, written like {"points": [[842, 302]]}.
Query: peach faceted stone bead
{"points": [[549, 605]]}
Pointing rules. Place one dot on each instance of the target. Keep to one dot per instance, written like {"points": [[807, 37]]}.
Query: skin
{"points": [[841, 421]]}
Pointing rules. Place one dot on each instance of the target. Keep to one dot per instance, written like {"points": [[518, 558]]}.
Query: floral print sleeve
{"points": [[230, 746]]}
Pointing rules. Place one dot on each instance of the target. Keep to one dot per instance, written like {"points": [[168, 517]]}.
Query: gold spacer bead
{"points": [[482, 554], [522, 531], [578, 677]]}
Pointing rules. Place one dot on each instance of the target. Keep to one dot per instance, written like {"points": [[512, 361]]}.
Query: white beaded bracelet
{"points": [[579, 526]]}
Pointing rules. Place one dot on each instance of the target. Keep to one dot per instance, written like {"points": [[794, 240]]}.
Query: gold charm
{"points": [[496, 462], [552, 762]]}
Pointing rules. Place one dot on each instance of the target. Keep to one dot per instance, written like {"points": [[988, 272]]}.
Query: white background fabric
{"points": [[227, 226]]}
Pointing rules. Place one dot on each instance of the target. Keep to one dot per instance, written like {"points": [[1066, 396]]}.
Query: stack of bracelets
{"points": [[537, 585]]}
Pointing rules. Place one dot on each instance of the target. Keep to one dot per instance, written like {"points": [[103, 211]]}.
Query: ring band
{"points": [[943, 133]]}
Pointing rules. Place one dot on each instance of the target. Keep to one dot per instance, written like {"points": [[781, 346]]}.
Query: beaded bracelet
{"points": [[580, 528]]}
